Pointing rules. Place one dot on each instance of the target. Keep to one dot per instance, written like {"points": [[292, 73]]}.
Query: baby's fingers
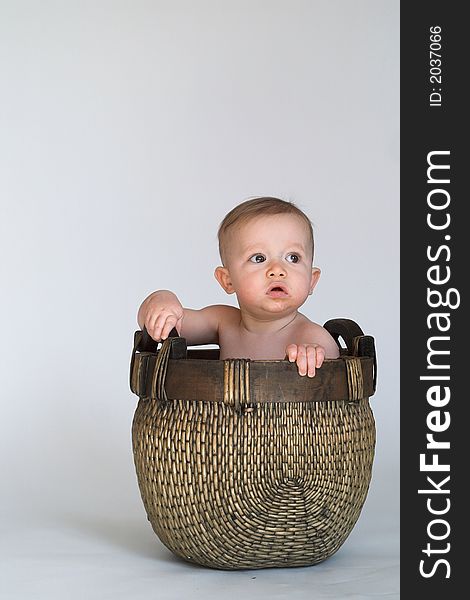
{"points": [[302, 360], [320, 356], [307, 357], [315, 358], [170, 323], [311, 361], [291, 352], [153, 326], [156, 325]]}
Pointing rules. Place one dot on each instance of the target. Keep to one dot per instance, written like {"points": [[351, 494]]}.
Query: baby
{"points": [[266, 247]]}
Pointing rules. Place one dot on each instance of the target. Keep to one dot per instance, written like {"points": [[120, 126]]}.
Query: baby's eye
{"points": [[292, 258], [257, 258]]}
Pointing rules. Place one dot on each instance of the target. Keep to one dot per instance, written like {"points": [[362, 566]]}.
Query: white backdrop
{"points": [[128, 130]]}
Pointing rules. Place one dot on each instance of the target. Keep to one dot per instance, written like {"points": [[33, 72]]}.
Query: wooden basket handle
{"points": [[357, 344]]}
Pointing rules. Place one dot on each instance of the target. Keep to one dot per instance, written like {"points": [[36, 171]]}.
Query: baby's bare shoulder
{"points": [[313, 333], [224, 313]]}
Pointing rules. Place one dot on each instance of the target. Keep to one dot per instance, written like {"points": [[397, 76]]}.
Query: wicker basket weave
{"points": [[245, 464]]}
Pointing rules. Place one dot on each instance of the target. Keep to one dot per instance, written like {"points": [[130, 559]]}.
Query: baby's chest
{"points": [[236, 344]]}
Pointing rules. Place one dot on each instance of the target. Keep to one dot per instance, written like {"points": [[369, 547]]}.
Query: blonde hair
{"points": [[257, 207]]}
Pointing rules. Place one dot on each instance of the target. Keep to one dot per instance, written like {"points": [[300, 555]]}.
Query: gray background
{"points": [[128, 130]]}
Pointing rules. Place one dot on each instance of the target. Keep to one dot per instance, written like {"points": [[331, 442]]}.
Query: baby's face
{"points": [[269, 265]]}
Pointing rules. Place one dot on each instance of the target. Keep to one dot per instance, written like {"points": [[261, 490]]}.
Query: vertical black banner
{"points": [[434, 373]]}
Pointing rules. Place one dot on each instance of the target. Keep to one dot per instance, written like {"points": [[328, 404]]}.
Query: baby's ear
{"points": [[223, 277], [315, 277]]}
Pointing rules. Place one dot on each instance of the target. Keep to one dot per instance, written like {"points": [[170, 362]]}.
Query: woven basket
{"points": [[245, 464]]}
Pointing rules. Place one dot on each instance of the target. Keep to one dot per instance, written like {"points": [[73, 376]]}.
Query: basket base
{"points": [[281, 486]]}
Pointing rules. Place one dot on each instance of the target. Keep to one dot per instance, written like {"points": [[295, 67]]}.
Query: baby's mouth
{"points": [[277, 291]]}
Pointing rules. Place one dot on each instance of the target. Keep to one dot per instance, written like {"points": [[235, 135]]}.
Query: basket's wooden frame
{"points": [[273, 381]]}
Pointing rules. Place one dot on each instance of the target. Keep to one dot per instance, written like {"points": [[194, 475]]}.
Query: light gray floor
{"points": [[98, 556]]}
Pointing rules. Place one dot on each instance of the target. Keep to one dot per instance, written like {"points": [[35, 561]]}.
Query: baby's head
{"points": [[258, 209], [266, 247]]}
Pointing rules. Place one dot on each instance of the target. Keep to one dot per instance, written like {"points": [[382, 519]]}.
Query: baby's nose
{"points": [[276, 270]]}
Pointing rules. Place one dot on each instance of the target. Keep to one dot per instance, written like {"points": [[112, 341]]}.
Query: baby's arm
{"points": [[310, 356], [162, 311]]}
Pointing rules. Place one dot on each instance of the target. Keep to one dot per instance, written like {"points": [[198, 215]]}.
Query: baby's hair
{"points": [[258, 207]]}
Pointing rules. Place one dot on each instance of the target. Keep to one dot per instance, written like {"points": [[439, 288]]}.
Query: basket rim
{"points": [[270, 381]]}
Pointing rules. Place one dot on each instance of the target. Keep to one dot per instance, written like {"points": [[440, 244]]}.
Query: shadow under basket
{"points": [[245, 464]]}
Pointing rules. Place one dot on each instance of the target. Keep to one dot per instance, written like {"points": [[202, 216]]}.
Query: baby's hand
{"points": [[160, 312], [307, 356]]}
